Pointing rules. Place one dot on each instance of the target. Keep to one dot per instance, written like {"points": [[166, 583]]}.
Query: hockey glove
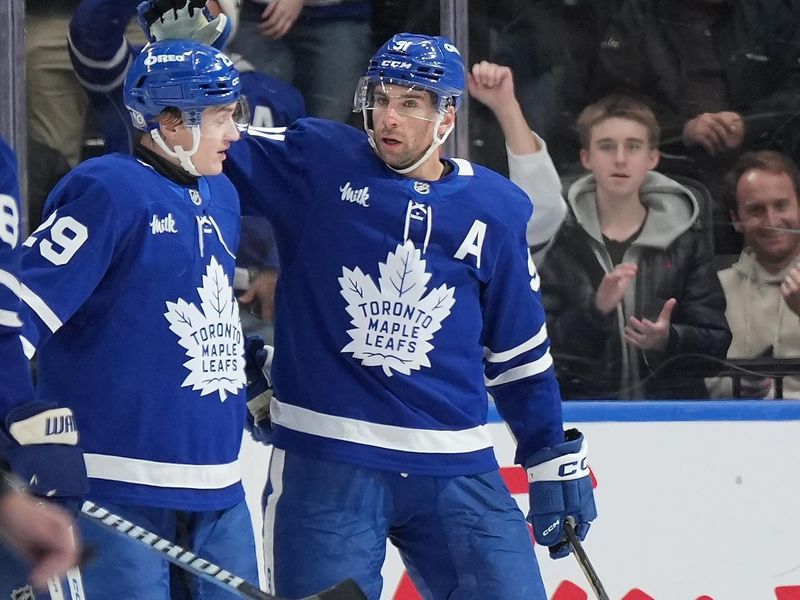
{"points": [[41, 446], [560, 487], [183, 19], [257, 363]]}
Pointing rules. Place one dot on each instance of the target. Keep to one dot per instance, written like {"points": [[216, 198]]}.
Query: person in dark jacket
{"points": [[722, 76], [629, 283]]}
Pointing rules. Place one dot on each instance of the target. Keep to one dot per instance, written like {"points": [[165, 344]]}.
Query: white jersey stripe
{"points": [[11, 282], [41, 309], [159, 474], [532, 368], [28, 348], [391, 437], [9, 318], [536, 340], [104, 89], [120, 55], [257, 132], [464, 167]]}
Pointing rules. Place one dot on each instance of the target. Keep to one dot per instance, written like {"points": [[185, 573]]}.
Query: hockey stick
{"points": [[583, 560], [188, 561]]}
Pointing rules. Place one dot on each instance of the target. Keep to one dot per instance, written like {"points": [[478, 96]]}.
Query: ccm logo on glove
{"points": [[570, 466], [551, 528]]}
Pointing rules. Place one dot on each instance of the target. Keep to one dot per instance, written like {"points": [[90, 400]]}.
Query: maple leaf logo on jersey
{"points": [[211, 335], [394, 323]]}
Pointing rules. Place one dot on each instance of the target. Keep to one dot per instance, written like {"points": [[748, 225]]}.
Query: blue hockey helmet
{"points": [[426, 62], [182, 74]]}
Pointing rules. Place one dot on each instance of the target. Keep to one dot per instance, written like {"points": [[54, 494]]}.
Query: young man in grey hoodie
{"points": [[762, 286], [629, 283]]}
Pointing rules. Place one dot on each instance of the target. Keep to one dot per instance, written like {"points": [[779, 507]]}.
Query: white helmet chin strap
{"points": [[182, 155], [437, 141]]}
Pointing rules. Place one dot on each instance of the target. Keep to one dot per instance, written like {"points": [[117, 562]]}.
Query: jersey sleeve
{"points": [[100, 56], [68, 255], [537, 176], [270, 169], [15, 384], [518, 365]]}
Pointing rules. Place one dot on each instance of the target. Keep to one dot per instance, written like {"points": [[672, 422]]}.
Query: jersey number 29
{"points": [[59, 239]]}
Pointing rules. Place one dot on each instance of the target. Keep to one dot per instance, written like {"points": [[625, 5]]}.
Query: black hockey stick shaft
{"points": [[583, 561], [200, 567]]}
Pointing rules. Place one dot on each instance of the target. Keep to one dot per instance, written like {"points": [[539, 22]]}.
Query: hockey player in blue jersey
{"points": [[40, 534], [132, 313], [407, 297]]}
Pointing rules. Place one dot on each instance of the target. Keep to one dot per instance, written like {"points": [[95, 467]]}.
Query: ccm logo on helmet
{"points": [[164, 58], [396, 64], [451, 48]]}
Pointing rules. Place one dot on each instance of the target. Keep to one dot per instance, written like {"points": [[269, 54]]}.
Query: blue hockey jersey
{"points": [[400, 303], [129, 282], [15, 388]]}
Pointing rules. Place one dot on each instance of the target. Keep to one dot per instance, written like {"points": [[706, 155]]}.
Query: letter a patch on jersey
{"points": [[394, 322], [211, 335]]}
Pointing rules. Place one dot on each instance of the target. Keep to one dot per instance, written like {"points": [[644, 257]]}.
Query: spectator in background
{"points": [[55, 102], [273, 102], [551, 46], [723, 77], [320, 46], [628, 283], [762, 289]]}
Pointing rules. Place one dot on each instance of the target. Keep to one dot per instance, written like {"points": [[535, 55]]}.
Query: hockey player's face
{"points": [[619, 156], [403, 120], [217, 131]]}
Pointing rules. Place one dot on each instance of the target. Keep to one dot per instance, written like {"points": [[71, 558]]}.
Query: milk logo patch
{"points": [[211, 336], [360, 196], [163, 224], [394, 322]]}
